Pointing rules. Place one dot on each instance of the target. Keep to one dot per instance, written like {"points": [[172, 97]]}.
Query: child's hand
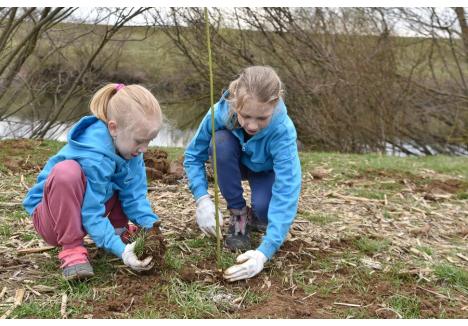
{"points": [[130, 259], [206, 215], [248, 265]]}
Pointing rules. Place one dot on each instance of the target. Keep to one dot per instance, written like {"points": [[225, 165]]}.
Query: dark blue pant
{"points": [[231, 172]]}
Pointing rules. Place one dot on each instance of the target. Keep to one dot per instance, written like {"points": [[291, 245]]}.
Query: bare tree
{"points": [[48, 75], [352, 84]]}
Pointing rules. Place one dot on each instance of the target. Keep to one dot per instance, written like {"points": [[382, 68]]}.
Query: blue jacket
{"points": [[91, 145], [273, 148]]}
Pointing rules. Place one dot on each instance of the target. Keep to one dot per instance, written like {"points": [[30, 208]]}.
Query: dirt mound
{"points": [[158, 167], [451, 186], [17, 144], [18, 165]]}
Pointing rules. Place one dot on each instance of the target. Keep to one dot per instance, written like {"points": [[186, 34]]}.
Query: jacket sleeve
{"points": [[285, 193], [99, 228], [133, 195], [196, 155]]}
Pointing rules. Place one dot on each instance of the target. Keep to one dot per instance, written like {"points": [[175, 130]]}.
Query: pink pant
{"points": [[58, 217]]}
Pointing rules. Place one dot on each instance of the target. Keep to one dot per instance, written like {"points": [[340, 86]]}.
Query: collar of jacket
{"points": [[98, 138]]}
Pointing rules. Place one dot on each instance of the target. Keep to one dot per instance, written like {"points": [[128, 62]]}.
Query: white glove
{"points": [[206, 215], [131, 260], [251, 263]]}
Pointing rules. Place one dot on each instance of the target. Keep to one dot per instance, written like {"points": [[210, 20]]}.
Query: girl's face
{"points": [[132, 140], [255, 116]]}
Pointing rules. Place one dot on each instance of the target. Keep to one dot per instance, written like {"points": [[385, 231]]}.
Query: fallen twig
{"points": [[307, 297], [392, 310], [63, 306], [9, 205], [433, 292], [33, 291], [334, 194], [347, 304], [3, 292], [18, 300], [33, 250], [130, 305], [459, 255]]}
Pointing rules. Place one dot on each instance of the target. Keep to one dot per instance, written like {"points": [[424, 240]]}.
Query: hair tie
{"points": [[118, 87]]}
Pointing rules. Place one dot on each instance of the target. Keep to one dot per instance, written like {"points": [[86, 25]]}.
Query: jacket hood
{"points": [[91, 135]]}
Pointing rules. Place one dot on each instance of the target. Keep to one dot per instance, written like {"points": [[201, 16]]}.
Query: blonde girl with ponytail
{"points": [[255, 141], [96, 183]]}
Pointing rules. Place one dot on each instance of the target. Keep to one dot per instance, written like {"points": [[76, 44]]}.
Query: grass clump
{"points": [[405, 306], [37, 310], [452, 275], [193, 299], [319, 218], [371, 246]]}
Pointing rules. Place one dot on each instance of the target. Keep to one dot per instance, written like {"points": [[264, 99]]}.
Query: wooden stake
{"points": [[215, 170]]}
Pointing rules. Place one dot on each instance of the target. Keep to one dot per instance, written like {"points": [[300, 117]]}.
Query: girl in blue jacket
{"points": [[255, 140], [97, 181]]}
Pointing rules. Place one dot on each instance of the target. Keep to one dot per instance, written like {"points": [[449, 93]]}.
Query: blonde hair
{"points": [[260, 83], [121, 102]]}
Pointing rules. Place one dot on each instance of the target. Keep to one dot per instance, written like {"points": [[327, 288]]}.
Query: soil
{"points": [[323, 258], [451, 186], [155, 246], [158, 167], [139, 293]]}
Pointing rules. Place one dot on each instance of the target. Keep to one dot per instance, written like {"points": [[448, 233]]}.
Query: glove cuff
{"points": [[262, 256], [202, 198]]}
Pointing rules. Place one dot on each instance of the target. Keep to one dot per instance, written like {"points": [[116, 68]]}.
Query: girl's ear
{"points": [[112, 126]]}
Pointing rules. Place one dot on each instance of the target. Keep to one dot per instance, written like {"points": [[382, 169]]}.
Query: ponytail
{"points": [[122, 103], [100, 102]]}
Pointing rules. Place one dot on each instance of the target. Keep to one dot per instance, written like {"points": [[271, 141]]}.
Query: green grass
{"points": [[330, 286], [79, 290], [407, 307], [452, 275], [371, 246], [462, 195], [303, 279], [140, 245], [5, 231], [147, 313], [227, 259], [37, 310], [173, 153], [319, 217], [199, 242], [360, 281], [368, 193], [28, 236], [252, 297], [427, 250], [345, 165], [172, 258], [194, 300], [395, 275]]}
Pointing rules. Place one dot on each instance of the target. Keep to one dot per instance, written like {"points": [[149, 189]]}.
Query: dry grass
{"points": [[340, 243]]}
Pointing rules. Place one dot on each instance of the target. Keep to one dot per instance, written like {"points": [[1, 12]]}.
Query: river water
{"points": [[169, 136]]}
